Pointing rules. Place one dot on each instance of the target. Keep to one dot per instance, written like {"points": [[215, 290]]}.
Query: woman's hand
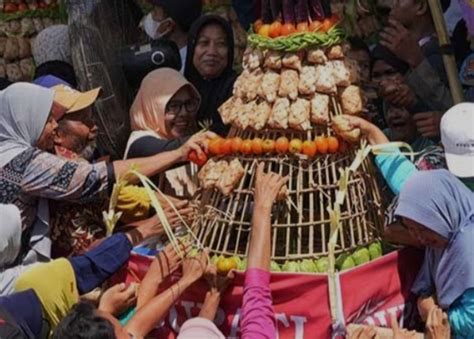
{"points": [[372, 133], [364, 332], [437, 324], [197, 143], [267, 187], [425, 304], [194, 268], [118, 298]]}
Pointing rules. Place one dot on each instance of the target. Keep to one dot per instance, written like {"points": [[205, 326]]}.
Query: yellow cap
{"points": [[74, 100]]}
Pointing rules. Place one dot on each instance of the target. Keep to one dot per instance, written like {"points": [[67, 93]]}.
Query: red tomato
{"points": [[288, 29], [326, 26], [199, 160], [226, 147], [10, 8], [275, 29]]}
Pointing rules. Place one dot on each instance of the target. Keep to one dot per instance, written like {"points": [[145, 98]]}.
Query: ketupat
{"points": [[361, 256], [322, 264], [344, 261], [375, 250], [308, 265], [274, 267], [291, 266]]}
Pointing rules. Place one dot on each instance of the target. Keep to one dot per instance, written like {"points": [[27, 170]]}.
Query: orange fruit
{"points": [[236, 145], [226, 146], [264, 30], [268, 146], [225, 265], [199, 160], [288, 29], [282, 144], [333, 144], [302, 27], [214, 146], [309, 148], [246, 147], [257, 146], [322, 145], [275, 29], [296, 145], [315, 26]]}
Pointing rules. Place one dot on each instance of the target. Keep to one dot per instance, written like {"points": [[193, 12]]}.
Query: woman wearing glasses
{"points": [[163, 117]]}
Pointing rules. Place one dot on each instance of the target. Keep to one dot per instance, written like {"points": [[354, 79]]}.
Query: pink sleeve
{"points": [[258, 317]]}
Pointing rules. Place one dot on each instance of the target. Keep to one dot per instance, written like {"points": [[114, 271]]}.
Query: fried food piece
{"points": [[320, 109], [235, 171], [341, 73], [3, 44], [252, 85], [293, 60], [299, 115], [335, 52], [317, 56], [354, 71], [211, 173], [270, 85], [27, 67], [280, 113], [326, 82], [11, 49], [24, 48], [244, 114], [289, 84], [308, 79], [14, 72], [261, 116], [352, 100], [253, 58], [273, 60], [343, 128], [227, 110], [239, 85]]}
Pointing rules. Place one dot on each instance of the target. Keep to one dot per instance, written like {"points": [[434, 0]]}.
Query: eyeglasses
{"points": [[175, 107]]}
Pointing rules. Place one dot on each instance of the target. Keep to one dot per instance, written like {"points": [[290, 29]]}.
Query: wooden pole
{"points": [[448, 59]]}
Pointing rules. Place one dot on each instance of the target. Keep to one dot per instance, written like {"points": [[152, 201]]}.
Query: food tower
{"points": [[286, 111]]}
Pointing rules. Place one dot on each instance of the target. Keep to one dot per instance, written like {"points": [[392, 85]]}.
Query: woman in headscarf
{"points": [[438, 210], [209, 67], [29, 175], [163, 117]]}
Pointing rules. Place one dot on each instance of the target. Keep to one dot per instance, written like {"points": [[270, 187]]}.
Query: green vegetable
{"points": [[344, 262], [298, 41], [290, 266], [215, 258], [308, 265], [242, 265], [375, 250], [361, 256], [274, 267], [322, 264]]}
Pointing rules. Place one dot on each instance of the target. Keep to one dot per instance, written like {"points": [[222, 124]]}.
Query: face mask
{"points": [[152, 27]]}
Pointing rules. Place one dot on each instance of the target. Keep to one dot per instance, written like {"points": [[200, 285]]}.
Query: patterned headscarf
{"points": [[52, 44]]}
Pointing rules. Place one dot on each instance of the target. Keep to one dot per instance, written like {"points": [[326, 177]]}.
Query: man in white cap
{"points": [[457, 137]]}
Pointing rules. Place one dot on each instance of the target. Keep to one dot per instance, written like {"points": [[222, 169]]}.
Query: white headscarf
{"points": [[10, 234], [24, 111]]}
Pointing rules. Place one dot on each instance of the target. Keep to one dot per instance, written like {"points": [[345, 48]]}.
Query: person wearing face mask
{"points": [[209, 67], [172, 19]]}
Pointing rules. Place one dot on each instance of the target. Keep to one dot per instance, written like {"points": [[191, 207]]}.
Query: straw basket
{"points": [[300, 224]]}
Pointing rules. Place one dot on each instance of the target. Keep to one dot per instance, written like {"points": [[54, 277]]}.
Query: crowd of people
{"points": [[55, 181]]}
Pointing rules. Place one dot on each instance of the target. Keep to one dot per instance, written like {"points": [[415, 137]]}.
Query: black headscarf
{"points": [[214, 92], [183, 12]]}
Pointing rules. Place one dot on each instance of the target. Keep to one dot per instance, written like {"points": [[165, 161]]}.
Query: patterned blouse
{"points": [[35, 174]]}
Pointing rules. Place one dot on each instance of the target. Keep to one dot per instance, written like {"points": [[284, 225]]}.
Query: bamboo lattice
{"points": [[300, 224]]}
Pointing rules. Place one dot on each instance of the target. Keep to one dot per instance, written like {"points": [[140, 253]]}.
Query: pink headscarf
{"points": [[157, 88]]}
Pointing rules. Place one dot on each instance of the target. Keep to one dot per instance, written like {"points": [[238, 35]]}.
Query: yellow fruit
{"points": [[134, 203], [225, 265]]}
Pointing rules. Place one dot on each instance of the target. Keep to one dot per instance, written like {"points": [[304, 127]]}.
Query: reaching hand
{"points": [[217, 282], [267, 187], [364, 332], [197, 143], [372, 133], [194, 268], [437, 324], [401, 333], [428, 124], [118, 298], [168, 261], [401, 42]]}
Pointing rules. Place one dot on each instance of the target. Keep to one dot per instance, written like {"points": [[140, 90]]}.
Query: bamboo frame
{"points": [[301, 224], [448, 59]]}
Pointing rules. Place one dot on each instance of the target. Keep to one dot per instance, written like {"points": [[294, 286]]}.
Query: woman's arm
{"points": [[153, 312], [258, 318], [147, 146]]}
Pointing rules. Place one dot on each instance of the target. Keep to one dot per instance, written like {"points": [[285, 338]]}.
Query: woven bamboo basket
{"points": [[300, 224]]}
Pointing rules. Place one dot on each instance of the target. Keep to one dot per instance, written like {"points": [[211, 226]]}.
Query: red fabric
{"points": [[301, 301]]}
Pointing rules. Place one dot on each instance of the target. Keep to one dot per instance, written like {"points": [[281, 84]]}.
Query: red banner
{"points": [[369, 294]]}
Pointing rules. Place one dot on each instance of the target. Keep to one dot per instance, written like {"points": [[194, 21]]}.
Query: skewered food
{"points": [[24, 48], [11, 49], [335, 52], [273, 60], [226, 110], [341, 73], [3, 43], [308, 79], [27, 68], [252, 84], [352, 101], [211, 173], [293, 60], [245, 113], [317, 56], [261, 116], [231, 177], [320, 109], [289, 84], [279, 116], [14, 72], [270, 85], [343, 128], [326, 82], [253, 58], [299, 115]]}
